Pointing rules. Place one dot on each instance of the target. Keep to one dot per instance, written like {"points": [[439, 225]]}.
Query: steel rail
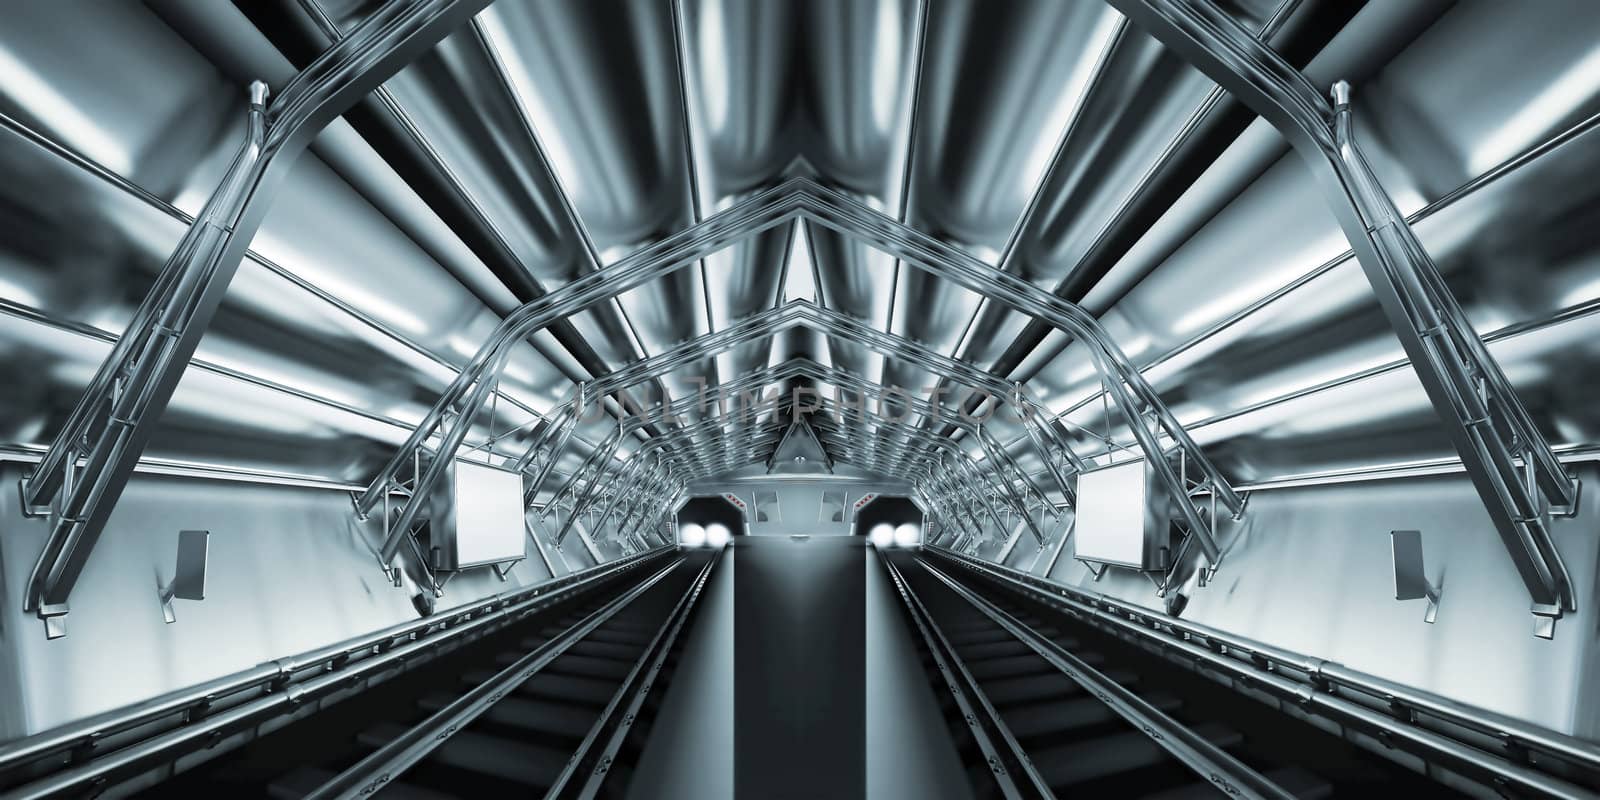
{"points": [[781, 318], [980, 716], [1142, 203], [1027, 223], [1132, 394], [667, 506], [931, 411], [647, 490], [944, 488], [479, 232], [1327, 688], [1465, 190], [916, 432], [161, 206], [638, 516], [932, 509], [551, 451], [627, 482], [732, 225], [941, 502], [628, 701], [470, 387], [1211, 763], [202, 715], [587, 474], [654, 492], [109, 426], [954, 488], [688, 352], [41, 485], [372, 773]]}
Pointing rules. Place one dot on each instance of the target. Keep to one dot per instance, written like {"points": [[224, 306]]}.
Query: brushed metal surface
{"points": [[548, 140]]}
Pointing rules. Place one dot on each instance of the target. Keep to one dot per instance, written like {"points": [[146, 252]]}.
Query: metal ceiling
{"points": [[540, 145]]}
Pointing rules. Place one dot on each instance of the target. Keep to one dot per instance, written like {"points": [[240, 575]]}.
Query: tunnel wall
{"points": [[290, 569], [800, 502], [1308, 569]]}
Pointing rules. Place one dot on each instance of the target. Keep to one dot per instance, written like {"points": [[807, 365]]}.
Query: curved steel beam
{"points": [[1148, 416], [116, 416], [1506, 456]]}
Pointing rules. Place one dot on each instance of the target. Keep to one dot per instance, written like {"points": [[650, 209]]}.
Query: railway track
{"points": [[558, 711], [1042, 707]]}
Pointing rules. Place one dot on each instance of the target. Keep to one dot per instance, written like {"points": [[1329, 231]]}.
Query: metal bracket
{"points": [[54, 616], [1410, 573], [503, 571], [189, 574], [1544, 620]]}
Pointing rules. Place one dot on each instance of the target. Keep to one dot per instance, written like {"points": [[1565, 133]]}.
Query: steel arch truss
{"points": [[1160, 438], [89, 463], [1506, 456]]}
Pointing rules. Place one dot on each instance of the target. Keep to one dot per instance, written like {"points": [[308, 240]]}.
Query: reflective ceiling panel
{"points": [[547, 140]]}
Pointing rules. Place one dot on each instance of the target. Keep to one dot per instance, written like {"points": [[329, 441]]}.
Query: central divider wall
{"points": [[800, 718], [799, 680], [690, 753]]}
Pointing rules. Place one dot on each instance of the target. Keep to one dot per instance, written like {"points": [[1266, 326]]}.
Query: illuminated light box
{"points": [[478, 518], [1123, 517]]}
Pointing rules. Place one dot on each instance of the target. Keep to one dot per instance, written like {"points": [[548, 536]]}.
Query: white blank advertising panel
{"points": [[1114, 524], [488, 516]]}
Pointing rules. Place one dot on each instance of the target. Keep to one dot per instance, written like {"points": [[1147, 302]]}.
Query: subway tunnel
{"points": [[718, 399]]}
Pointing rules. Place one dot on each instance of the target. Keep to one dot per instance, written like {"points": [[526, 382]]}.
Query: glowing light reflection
{"points": [[533, 106], [881, 535], [1543, 111], [717, 535], [62, 116]]}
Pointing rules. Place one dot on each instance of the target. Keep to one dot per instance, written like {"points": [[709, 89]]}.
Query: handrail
{"points": [[742, 220], [278, 676], [1478, 390], [1323, 682], [385, 764], [970, 477], [960, 681], [641, 680], [761, 324], [106, 424], [1129, 387], [40, 485], [946, 445], [1210, 762]]}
